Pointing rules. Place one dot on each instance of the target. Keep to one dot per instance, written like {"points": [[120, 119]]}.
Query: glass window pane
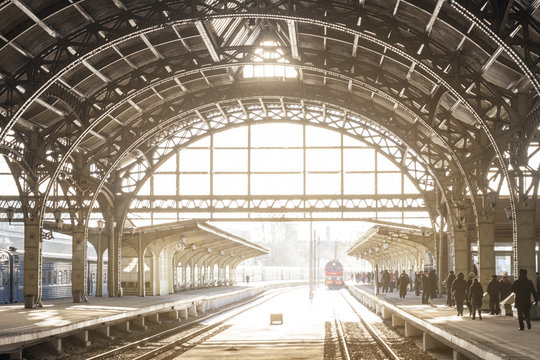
{"points": [[164, 184], [236, 137], [169, 165], [351, 141], [145, 189], [503, 264], [276, 184], [359, 160], [267, 160], [230, 184], [232, 160], [323, 184], [359, 184], [389, 183], [408, 186], [195, 160], [194, 184], [383, 164], [323, 160], [316, 136], [276, 135]]}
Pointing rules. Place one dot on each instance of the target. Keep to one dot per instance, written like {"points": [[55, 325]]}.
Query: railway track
{"points": [[185, 336], [355, 341]]}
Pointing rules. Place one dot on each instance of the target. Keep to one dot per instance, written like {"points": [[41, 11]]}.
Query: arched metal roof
{"points": [[84, 85]]}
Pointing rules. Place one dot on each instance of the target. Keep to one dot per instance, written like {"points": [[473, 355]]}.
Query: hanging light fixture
{"points": [[57, 213], [10, 213]]}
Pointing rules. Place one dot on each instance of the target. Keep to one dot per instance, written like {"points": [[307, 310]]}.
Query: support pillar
{"points": [[99, 270], [461, 252], [140, 269], [442, 260], [79, 265], [526, 240], [112, 273], [486, 249], [32, 263]]}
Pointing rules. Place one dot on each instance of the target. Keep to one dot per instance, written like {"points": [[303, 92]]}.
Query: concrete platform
{"points": [[61, 317], [494, 337]]}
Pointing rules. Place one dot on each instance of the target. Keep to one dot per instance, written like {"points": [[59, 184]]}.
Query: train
{"points": [[333, 274], [56, 273]]}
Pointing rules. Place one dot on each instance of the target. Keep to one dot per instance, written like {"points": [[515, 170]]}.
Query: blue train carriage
{"points": [[56, 276]]}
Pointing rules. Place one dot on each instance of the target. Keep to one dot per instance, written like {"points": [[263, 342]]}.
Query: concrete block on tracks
{"points": [[276, 319]]}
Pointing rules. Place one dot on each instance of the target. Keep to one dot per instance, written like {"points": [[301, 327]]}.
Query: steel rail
{"points": [[374, 333], [345, 354], [185, 326]]}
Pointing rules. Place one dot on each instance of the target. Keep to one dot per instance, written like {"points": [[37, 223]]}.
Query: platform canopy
{"points": [[403, 245], [194, 237]]}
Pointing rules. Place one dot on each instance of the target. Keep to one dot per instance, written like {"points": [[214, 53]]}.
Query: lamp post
{"points": [[10, 213]]}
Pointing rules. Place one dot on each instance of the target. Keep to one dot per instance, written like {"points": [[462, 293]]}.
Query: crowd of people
{"points": [[471, 293], [460, 291]]}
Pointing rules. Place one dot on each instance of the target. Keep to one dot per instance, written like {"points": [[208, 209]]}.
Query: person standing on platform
{"points": [[426, 288], [247, 279], [448, 284], [493, 290], [459, 292], [468, 297], [504, 287], [523, 288], [403, 282], [417, 278], [433, 284], [476, 293], [385, 281]]}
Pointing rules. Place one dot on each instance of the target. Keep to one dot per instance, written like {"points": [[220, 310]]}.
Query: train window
{"points": [[55, 277], [59, 277], [49, 277], [66, 277]]}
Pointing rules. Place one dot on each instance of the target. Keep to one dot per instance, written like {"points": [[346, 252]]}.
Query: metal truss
{"points": [[443, 84], [278, 203]]}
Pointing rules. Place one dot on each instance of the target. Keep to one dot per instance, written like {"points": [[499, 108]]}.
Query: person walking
{"points": [[403, 282], [433, 283], [476, 293], [459, 292], [493, 290], [426, 288], [448, 284], [523, 288]]}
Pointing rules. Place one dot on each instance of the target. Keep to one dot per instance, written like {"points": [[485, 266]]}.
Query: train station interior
{"points": [[162, 159]]}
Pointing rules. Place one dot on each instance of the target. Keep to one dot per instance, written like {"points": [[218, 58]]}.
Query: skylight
{"points": [[269, 52]]}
